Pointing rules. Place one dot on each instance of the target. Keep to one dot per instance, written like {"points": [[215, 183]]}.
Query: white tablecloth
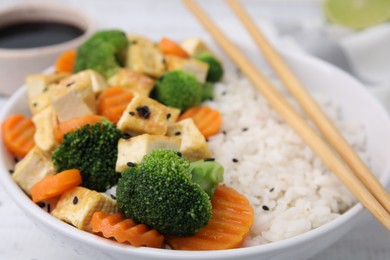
{"points": [[21, 240]]}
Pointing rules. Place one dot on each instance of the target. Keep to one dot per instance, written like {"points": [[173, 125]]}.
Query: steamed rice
{"points": [[291, 190]]}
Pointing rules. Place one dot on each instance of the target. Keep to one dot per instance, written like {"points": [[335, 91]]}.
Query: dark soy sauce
{"points": [[36, 34]]}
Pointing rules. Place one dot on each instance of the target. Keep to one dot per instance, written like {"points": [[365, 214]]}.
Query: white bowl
{"points": [[357, 104]]}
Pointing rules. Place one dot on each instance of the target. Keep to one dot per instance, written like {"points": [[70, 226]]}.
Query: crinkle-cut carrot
{"points": [[113, 101], [169, 47], [228, 227], [125, 230], [208, 120], [52, 186], [18, 134], [71, 125], [65, 62]]}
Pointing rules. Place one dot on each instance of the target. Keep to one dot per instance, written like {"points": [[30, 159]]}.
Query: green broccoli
{"points": [[215, 72], [207, 173], [159, 193], [103, 52], [178, 89], [92, 149]]}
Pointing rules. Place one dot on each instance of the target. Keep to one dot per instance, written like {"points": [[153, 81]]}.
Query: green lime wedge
{"points": [[357, 14]]}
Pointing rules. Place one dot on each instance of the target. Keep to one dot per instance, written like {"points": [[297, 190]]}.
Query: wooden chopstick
{"points": [[323, 123], [293, 118]]}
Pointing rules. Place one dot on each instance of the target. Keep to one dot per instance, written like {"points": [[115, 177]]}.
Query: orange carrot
{"points": [[207, 120], [52, 186], [112, 102], [71, 125], [18, 134], [125, 230], [65, 62], [228, 227], [169, 47]]}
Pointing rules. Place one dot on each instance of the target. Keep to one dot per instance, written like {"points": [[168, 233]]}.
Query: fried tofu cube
{"points": [[197, 68], [98, 83], [32, 169], [145, 59], [73, 97], [144, 115], [45, 122], [38, 83], [77, 206], [193, 144], [132, 80], [194, 46], [135, 148]]}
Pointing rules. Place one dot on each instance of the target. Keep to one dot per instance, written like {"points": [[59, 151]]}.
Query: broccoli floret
{"points": [[159, 193], [178, 89], [103, 52], [215, 72], [92, 149], [208, 174]]}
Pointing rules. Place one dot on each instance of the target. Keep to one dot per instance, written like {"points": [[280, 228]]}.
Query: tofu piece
{"points": [[193, 144], [145, 58], [139, 39], [45, 122], [144, 115], [194, 46], [79, 214], [38, 83], [98, 83], [197, 68], [35, 166], [132, 80], [73, 97], [135, 148]]}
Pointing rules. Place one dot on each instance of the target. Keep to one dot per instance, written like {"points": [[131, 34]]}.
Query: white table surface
{"points": [[21, 240]]}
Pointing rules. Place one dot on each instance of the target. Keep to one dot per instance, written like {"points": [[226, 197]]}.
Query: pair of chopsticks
{"points": [[354, 174]]}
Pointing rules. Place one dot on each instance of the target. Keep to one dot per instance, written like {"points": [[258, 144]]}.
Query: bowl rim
{"points": [[30, 208]]}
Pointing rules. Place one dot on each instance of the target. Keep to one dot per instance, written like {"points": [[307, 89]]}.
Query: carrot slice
{"points": [[65, 62], [52, 186], [228, 227], [207, 120], [18, 134], [71, 125], [125, 230], [169, 47], [112, 102]]}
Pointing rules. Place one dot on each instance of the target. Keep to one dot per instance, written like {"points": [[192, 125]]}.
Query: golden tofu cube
{"points": [[97, 82], [132, 80], [193, 144], [194, 46], [38, 83], [197, 68], [145, 59], [144, 115], [45, 122], [32, 169], [77, 206], [135, 148]]}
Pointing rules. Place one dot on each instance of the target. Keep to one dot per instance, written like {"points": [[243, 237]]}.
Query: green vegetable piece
{"points": [[159, 193], [207, 91], [178, 89], [104, 52], [215, 72], [92, 149], [208, 174]]}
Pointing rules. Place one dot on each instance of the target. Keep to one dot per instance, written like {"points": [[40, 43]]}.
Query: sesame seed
{"points": [[11, 171], [69, 84], [133, 42], [126, 136], [272, 189], [235, 160], [168, 115], [48, 208], [179, 153], [41, 204], [45, 90], [16, 160], [224, 132], [113, 196], [178, 133], [131, 164], [132, 113], [245, 129], [223, 93], [35, 104], [265, 208], [209, 159], [75, 200], [143, 112]]}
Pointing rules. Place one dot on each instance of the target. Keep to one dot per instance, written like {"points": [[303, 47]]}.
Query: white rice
{"points": [[290, 188]]}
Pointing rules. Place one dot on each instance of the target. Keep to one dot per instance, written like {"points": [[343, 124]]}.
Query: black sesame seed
{"points": [[133, 42], [35, 104], [143, 112], [11, 171], [209, 159], [178, 133], [126, 136], [235, 160], [131, 164], [113, 196], [169, 115], [223, 93], [132, 113], [245, 129], [224, 132], [69, 84], [179, 153], [16, 160], [75, 200], [48, 208], [265, 208], [45, 89], [272, 189], [41, 204]]}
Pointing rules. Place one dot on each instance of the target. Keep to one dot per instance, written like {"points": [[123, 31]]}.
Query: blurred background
{"points": [[351, 34]]}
